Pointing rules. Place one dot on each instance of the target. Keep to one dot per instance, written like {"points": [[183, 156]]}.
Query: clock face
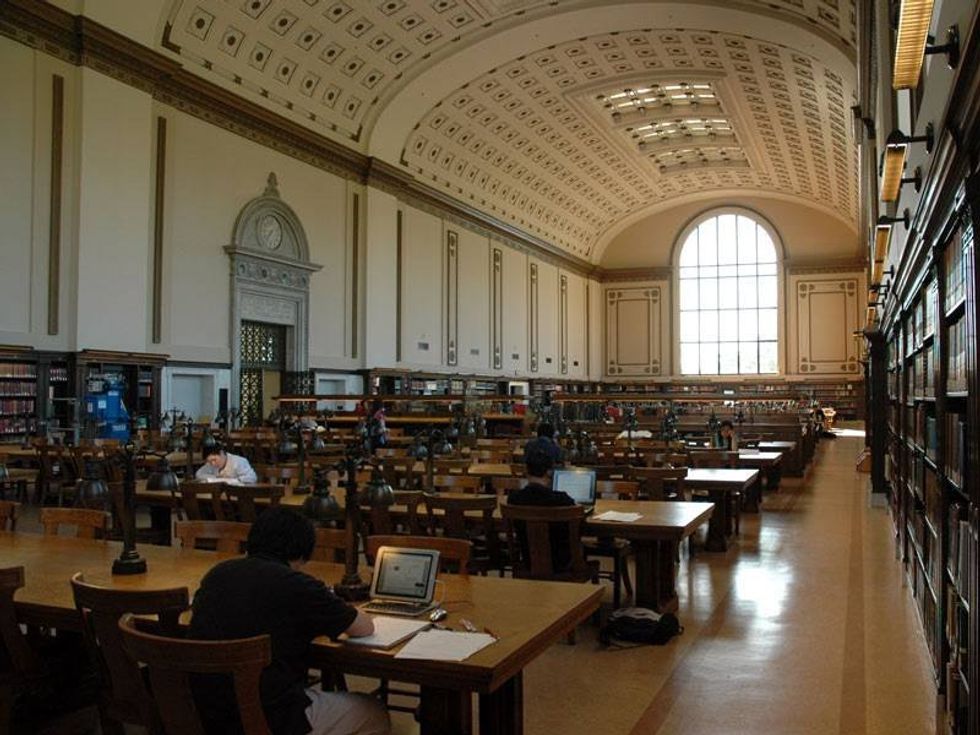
{"points": [[269, 232]]}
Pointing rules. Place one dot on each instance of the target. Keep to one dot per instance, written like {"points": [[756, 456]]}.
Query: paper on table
{"points": [[613, 515], [445, 645], [389, 631]]}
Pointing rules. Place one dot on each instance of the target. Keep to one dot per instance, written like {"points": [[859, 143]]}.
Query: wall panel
{"points": [[514, 312], [423, 244], [545, 319], [474, 302], [821, 323], [635, 319]]}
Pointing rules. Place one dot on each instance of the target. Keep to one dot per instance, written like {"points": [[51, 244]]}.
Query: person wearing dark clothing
{"points": [[537, 492], [265, 593], [726, 438], [546, 440]]}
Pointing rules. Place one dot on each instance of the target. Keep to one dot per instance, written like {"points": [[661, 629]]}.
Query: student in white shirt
{"points": [[219, 464]]}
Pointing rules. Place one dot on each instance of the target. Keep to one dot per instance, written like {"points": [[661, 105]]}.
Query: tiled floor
{"points": [[803, 626]]}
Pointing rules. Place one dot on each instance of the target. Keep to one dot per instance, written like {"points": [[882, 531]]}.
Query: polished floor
{"points": [[804, 626]]}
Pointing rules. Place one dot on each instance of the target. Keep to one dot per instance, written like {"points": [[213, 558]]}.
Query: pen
{"points": [[467, 625]]}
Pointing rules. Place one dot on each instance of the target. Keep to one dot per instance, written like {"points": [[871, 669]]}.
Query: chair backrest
{"points": [[535, 560], [617, 489], [242, 499], [88, 523], [450, 466], [379, 518], [456, 483], [713, 458], [224, 536], [170, 662], [503, 486], [454, 553], [330, 545], [8, 515], [201, 501], [17, 659], [453, 520], [122, 692]]}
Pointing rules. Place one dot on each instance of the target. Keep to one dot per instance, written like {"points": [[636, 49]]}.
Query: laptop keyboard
{"points": [[396, 608]]}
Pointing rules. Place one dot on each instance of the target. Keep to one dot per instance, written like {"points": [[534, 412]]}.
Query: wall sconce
{"points": [[914, 18], [893, 162], [872, 315], [904, 219]]}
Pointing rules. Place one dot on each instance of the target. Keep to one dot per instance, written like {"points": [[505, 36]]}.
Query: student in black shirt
{"points": [[546, 440], [539, 462], [265, 593]]}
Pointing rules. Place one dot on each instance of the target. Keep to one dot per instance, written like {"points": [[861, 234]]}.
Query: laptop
{"points": [[404, 581], [578, 483]]}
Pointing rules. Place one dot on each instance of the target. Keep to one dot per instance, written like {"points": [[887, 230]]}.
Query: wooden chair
{"points": [[330, 545], [450, 466], [456, 483], [504, 486], [533, 557], [454, 553], [618, 550], [201, 501], [53, 475], [617, 489], [88, 523], [242, 499], [379, 519], [712, 458], [450, 515], [170, 662], [19, 664], [8, 515], [123, 699], [225, 536]]}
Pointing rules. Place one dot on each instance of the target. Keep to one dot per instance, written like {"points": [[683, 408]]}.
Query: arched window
{"points": [[729, 298]]}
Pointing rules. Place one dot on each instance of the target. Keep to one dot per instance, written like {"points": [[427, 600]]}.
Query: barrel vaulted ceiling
{"points": [[567, 119]]}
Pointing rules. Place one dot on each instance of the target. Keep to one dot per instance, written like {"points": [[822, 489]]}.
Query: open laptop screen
{"points": [[577, 483], [405, 574]]}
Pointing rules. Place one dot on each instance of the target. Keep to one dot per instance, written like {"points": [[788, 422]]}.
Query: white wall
{"points": [[193, 390], [114, 219]]}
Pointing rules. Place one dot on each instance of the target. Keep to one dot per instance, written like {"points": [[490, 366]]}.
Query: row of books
{"points": [[955, 450], [11, 405], [18, 425], [955, 271], [18, 388], [959, 345], [924, 315], [17, 370]]}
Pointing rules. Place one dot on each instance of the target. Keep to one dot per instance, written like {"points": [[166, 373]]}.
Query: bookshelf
{"points": [[36, 393], [931, 426], [137, 374]]}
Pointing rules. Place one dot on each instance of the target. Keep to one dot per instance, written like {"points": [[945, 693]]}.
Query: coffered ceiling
{"points": [[567, 119]]}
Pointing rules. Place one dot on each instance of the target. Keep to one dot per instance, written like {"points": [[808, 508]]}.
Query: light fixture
{"points": [[872, 315], [914, 18], [893, 162], [905, 219]]}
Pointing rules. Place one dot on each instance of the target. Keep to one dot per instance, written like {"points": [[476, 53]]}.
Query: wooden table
{"points": [[719, 484], [526, 616], [655, 537], [768, 463]]}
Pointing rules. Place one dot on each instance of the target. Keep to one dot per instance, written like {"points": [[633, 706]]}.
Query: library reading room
{"points": [[489, 367]]}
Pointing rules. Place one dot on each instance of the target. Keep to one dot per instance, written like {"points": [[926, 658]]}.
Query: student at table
{"points": [[726, 438], [266, 593], [539, 463], [220, 464], [546, 440]]}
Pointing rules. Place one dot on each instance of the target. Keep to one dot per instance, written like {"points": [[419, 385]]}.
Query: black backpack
{"points": [[638, 625]]}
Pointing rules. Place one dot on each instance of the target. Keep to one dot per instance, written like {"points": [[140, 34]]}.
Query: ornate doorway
{"points": [[270, 300]]}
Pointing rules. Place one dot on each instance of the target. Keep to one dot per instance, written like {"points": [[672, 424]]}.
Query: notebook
{"points": [[404, 581], [579, 484], [389, 632]]}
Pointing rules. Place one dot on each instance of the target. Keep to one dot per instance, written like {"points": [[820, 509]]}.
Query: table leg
{"points": [[656, 563], [502, 711], [720, 521], [445, 712], [773, 477], [753, 496]]}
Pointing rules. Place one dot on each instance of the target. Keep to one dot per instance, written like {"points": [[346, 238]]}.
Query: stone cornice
{"points": [[623, 275], [84, 42], [808, 268]]}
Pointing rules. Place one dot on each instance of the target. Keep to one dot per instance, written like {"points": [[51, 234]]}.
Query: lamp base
{"points": [[352, 589], [131, 563]]}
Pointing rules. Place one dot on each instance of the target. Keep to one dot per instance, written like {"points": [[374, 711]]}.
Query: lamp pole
{"points": [[352, 587], [129, 561]]}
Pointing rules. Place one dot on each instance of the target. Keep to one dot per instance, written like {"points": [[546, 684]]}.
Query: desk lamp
{"points": [[129, 561], [92, 489]]}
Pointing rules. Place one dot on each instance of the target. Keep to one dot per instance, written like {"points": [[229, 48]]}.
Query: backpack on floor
{"points": [[638, 626]]}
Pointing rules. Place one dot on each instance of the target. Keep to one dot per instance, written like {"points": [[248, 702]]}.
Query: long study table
{"points": [[526, 617], [719, 484]]}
